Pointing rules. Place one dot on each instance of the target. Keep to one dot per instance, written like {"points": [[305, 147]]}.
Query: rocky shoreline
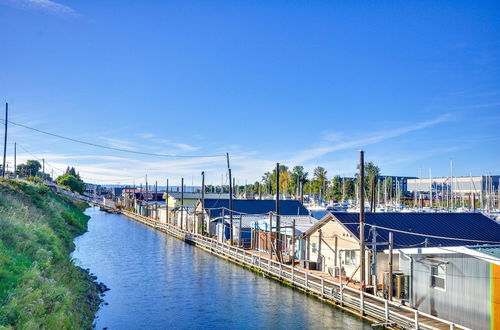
{"points": [[95, 291]]}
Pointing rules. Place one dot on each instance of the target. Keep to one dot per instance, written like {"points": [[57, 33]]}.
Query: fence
{"points": [[385, 312]]}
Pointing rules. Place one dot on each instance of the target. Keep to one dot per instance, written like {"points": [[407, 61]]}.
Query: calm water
{"points": [[159, 282]]}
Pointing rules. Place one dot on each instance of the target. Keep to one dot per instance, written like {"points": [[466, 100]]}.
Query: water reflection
{"points": [[159, 282]]}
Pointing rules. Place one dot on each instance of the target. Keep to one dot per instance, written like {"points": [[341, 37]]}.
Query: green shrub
{"points": [[39, 285]]}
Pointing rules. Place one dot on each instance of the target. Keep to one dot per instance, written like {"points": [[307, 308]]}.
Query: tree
{"points": [[298, 175], [319, 180], [72, 182], [271, 178], [31, 167], [255, 188], [372, 172], [266, 180], [285, 182], [337, 187], [72, 171], [349, 188]]}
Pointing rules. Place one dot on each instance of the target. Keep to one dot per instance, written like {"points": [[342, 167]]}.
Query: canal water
{"points": [[159, 282]]}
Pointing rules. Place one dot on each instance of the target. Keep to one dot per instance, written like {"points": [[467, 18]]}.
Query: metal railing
{"points": [[389, 313]]}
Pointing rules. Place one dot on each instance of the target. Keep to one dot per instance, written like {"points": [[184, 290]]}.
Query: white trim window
{"points": [[350, 257], [438, 276]]}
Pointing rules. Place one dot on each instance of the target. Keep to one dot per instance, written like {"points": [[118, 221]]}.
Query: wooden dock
{"points": [[377, 310]]}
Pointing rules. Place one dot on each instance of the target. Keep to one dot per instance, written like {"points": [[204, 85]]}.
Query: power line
{"points": [[56, 169], [110, 148]]}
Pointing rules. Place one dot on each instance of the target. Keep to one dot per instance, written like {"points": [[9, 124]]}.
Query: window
{"points": [[313, 245], [350, 258], [438, 276]]}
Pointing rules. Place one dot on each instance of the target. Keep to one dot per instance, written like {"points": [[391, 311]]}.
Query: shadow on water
{"points": [[159, 282]]}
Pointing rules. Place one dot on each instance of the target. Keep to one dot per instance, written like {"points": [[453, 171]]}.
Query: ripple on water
{"points": [[159, 282]]}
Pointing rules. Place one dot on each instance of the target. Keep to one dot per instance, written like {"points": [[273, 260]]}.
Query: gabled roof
{"points": [[243, 206], [422, 229]]}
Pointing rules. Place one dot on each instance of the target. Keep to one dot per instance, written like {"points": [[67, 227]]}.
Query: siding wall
{"points": [[466, 299], [495, 296]]}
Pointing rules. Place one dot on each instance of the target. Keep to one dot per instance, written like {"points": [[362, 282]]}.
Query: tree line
{"points": [[296, 182], [70, 179]]}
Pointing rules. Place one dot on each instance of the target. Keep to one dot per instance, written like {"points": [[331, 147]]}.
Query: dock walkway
{"points": [[375, 309]]}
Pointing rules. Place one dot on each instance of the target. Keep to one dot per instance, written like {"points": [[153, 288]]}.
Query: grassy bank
{"points": [[39, 285]]}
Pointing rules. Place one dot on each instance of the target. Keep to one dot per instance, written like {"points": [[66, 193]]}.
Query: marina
{"points": [[378, 311]]}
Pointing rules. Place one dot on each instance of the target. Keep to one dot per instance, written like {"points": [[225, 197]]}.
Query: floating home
{"points": [[440, 263], [218, 208]]}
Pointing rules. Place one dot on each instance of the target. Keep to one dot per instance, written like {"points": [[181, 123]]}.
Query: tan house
{"points": [[335, 247]]}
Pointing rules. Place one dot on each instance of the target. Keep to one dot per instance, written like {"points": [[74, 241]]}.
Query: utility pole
{"points": [[166, 203], [5, 139], [202, 203], [43, 167], [389, 294], [452, 188], [362, 216], [230, 201], [430, 188], [293, 243], [156, 200], [147, 197], [15, 159], [182, 201], [278, 220]]}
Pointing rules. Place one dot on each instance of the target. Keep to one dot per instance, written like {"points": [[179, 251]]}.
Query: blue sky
{"points": [[413, 83]]}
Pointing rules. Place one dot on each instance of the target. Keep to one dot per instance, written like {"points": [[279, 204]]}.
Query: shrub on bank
{"points": [[39, 285]]}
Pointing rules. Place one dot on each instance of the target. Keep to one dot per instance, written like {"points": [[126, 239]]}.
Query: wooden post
{"points": [[336, 250], [239, 233], [5, 139], [230, 201], [223, 226], [182, 203], [341, 283], [15, 160], [362, 217], [270, 238], [293, 244], [389, 294], [147, 197], [156, 200], [166, 203], [203, 203], [319, 263], [278, 224]]}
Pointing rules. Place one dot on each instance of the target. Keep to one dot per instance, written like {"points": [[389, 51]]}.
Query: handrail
{"points": [[357, 299]]}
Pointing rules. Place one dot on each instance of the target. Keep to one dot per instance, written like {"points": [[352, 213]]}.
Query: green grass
{"points": [[39, 285]]}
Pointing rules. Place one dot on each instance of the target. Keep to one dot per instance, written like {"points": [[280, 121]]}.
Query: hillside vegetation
{"points": [[39, 285]]}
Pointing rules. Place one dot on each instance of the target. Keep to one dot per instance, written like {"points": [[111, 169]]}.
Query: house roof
{"points": [[196, 195], [490, 250], [421, 229], [243, 206]]}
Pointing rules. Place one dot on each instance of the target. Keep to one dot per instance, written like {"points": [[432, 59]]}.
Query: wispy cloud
{"points": [[118, 143], [246, 164], [48, 6], [340, 143], [145, 135]]}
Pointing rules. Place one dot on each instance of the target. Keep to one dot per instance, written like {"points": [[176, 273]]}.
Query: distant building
{"points": [[399, 182], [460, 185]]}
